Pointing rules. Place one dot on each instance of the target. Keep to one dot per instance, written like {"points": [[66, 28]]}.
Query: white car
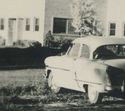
{"points": [[95, 65]]}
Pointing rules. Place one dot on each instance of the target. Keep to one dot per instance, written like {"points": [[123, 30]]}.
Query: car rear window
{"points": [[114, 51]]}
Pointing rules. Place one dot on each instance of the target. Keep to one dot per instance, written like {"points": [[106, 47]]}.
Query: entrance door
{"points": [[11, 30]]}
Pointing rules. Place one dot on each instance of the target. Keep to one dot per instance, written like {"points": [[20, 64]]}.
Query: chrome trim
{"points": [[58, 68], [89, 82]]}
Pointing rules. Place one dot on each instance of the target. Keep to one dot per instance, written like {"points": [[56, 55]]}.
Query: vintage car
{"points": [[94, 65]]}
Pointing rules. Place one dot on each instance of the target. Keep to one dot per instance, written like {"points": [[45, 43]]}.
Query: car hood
{"points": [[119, 63]]}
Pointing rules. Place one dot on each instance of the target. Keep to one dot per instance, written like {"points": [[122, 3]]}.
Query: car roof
{"points": [[95, 41]]}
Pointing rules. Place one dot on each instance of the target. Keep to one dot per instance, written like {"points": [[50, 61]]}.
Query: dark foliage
{"points": [[25, 57], [27, 43]]}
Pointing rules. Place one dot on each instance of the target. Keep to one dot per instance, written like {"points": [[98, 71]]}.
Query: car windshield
{"points": [[110, 52]]}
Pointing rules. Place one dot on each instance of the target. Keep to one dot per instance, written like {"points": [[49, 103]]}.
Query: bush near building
{"points": [[25, 53], [26, 43], [57, 42], [25, 57]]}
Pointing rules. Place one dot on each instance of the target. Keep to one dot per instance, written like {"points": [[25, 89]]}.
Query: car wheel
{"points": [[93, 95], [52, 85]]}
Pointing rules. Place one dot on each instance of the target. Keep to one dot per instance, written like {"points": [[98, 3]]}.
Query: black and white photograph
{"points": [[62, 55]]}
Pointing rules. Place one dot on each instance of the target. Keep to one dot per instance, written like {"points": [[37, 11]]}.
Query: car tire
{"points": [[94, 96], [51, 83]]}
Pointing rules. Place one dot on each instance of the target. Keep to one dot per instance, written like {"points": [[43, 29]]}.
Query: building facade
{"points": [[110, 12], [33, 19], [115, 21], [21, 20], [58, 17]]}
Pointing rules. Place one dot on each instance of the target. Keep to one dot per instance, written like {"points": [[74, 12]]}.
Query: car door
{"points": [[83, 66], [67, 74]]}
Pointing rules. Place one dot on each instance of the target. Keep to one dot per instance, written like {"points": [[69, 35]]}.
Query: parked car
{"points": [[95, 65]]}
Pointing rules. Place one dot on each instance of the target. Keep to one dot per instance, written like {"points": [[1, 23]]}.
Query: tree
{"points": [[85, 17]]}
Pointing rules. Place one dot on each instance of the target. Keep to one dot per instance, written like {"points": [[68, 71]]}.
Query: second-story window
{"points": [[124, 30], [27, 28], [1, 24], [36, 24], [112, 29]]}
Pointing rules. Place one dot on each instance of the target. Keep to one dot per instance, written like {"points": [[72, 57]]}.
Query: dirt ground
{"points": [[45, 100]]}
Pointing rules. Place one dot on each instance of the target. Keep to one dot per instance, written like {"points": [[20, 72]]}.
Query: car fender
{"points": [[90, 73]]}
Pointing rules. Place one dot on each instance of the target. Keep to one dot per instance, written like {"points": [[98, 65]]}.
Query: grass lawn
{"points": [[20, 77], [31, 84], [22, 82], [26, 90]]}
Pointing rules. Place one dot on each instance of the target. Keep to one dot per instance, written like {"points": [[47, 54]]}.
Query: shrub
{"points": [[57, 42], [49, 39], [2, 41], [65, 45], [27, 43], [62, 44]]}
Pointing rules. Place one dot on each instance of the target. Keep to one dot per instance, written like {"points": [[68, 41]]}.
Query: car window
{"points": [[85, 51], [74, 50], [114, 51]]}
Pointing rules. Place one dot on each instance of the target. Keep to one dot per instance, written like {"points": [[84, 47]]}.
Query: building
{"points": [[115, 21], [21, 20], [33, 19], [58, 17], [110, 12]]}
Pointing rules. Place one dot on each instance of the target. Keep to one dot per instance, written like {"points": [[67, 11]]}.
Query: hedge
{"points": [[25, 57]]}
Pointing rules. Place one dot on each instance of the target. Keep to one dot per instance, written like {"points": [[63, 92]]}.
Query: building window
{"points": [[112, 29], [36, 24], [27, 28], [59, 25], [63, 25], [1, 24], [124, 30]]}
